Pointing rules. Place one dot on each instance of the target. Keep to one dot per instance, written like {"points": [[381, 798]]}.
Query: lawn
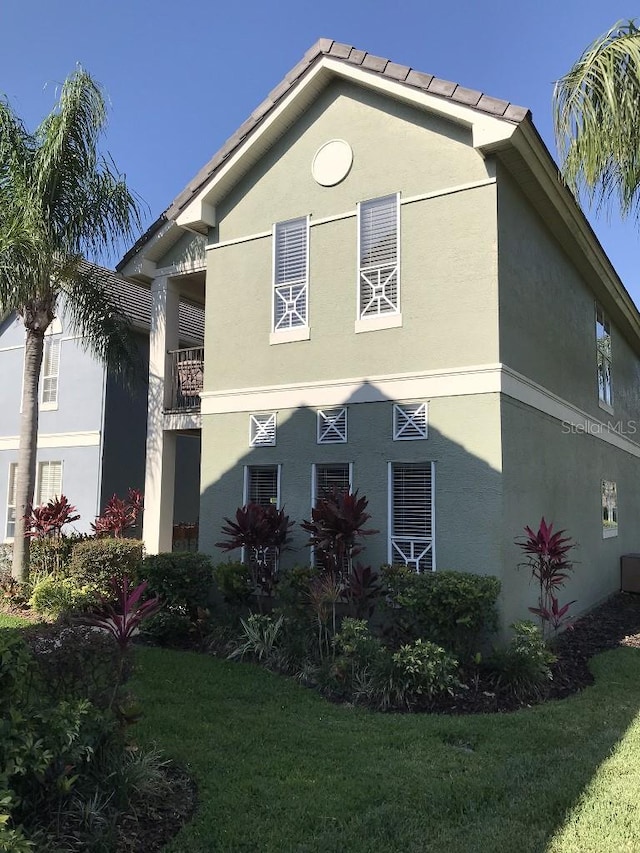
{"points": [[279, 769], [7, 621]]}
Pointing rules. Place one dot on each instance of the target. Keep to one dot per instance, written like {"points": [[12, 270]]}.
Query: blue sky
{"points": [[182, 76]]}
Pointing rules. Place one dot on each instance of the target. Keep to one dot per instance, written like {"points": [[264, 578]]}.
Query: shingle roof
{"points": [[343, 53]]}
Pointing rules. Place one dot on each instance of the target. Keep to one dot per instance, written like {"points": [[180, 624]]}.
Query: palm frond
{"points": [[596, 109], [97, 316]]}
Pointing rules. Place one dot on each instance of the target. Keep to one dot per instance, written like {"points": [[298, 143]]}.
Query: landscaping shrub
{"points": [[171, 626], [259, 637], [182, 580], [523, 667], [54, 596], [454, 609], [48, 555], [95, 561], [12, 592], [233, 579]]}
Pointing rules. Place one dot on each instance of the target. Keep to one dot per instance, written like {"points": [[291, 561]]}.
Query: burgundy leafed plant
{"points": [[265, 533], [548, 561], [362, 590], [337, 523], [47, 521], [120, 514]]}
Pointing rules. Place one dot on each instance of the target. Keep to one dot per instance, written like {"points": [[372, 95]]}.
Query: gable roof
{"points": [[349, 55]]}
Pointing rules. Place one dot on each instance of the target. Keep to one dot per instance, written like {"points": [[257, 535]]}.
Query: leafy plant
{"points": [[523, 667], [454, 609], [47, 521], [52, 555], [265, 533], [324, 594], [53, 596], [233, 579], [547, 558], [259, 637], [337, 525], [95, 561], [362, 590], [180, 579], [120, 514], [12, 592]]}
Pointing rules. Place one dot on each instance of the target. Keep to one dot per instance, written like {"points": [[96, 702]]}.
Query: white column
{"points": [[159, 486]]}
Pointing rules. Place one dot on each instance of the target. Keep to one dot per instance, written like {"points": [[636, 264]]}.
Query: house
{"points": [[92, 429], [401, 296]]}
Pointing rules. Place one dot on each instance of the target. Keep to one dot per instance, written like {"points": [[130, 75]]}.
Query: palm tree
{"points": [[60, 201], [596, 110]]}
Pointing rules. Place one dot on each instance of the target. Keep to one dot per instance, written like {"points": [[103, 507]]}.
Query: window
{"points": [[50, 371], [332, 426], [49, 482], [603, 347], [409, 421], [11, 501], [609, 509], [262, 485], [411, 535], [330, 477], [378, 258], [291, 278], [262, 430]]}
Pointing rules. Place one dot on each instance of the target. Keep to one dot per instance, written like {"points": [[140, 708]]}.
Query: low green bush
{"points": [[95, 561], [456, 610], [182, 580], [171, 626], [52, 555], [523, 667], [54, 596], [259, 638], [233, 579]]}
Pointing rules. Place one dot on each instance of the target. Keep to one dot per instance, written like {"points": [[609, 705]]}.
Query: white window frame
{"points": [[387, 319], [329, 429], [407, 416], [262, 430], [36, 490], [245, 485], [300, 332], [13, 471], [609, 531], [314, 477], [605, 402], [51, 342], [41, 463], [429, 542]]}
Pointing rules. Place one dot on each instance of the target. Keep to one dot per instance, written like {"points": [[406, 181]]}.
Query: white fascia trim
{"points": [[60, 439], [609, 532], [287, 336], [177, 421], [182, 268], [486, 129], [463, 381]]}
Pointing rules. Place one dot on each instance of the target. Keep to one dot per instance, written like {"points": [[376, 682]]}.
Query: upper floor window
{"points": [[50, 371], [332, 426], [609, 509], [379, 259], [290, 279], [603, 347]]}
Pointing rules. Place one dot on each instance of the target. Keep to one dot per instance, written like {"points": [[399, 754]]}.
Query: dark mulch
{"points": [[612, 624], [155, 823]]}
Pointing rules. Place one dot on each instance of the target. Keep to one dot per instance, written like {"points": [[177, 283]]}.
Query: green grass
{"points": [[7, 621], [279, 769]]}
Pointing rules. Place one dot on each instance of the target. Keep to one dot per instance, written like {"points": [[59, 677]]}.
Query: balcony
{"points": [[187, 376]]}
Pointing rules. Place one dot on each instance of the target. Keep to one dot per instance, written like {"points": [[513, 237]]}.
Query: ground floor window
{"points": [[48, 486], [262, 485], [11, 501], [335, 476], [609, 509], [411, 511]]}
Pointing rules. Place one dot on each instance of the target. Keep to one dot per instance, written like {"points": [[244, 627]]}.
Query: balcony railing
{"points": [[187, 376]]}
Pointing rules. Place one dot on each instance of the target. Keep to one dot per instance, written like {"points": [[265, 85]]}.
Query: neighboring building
{"points": [[403, 296], [92, 430]]}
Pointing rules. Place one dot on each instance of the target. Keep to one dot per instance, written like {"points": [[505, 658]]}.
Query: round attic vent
{"points": [[331, 162]]}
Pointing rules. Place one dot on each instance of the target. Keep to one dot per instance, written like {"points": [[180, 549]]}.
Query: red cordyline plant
{"points": [[337, 524], [121, 616], [47, 521], [547, 560], [120, 514], [265, 533]]}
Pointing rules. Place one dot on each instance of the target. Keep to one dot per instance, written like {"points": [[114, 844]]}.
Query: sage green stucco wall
{"points": [[547, 314], [187, 250], [468, 502], [448, 251], [549, 471]]}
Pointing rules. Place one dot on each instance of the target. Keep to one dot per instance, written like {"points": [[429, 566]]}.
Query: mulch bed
{"points": [[612, 624]]}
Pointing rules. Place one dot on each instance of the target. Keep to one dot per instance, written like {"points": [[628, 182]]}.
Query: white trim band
{"points": [[59, 439]]}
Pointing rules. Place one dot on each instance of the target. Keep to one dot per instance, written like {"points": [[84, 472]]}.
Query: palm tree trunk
{"points": [[26, 474]]}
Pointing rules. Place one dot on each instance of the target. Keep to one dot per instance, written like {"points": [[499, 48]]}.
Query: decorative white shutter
{"points": [[332, 426], [411, 497], [262, 430], [409, 421], [379, 256], [290, 274]]}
